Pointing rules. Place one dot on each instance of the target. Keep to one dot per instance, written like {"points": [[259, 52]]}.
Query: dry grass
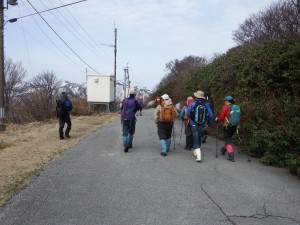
{"points": [[26, 149]]}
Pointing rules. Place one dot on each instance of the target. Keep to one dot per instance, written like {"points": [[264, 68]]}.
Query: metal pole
{"points": [[115, 70], [2, 79]]}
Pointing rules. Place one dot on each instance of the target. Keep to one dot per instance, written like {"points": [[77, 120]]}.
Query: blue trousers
{"points": [[128, 128], [197, 133]]}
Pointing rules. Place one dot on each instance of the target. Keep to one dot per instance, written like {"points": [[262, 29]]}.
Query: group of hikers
{"points": [[197, 113]]}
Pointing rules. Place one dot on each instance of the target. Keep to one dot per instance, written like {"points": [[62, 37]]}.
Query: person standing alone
{"points": [[63, 108], [128, 110]]}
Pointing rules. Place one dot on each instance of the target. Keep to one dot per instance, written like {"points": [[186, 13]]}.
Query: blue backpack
{"points": [[234, 115], [129, 109], [199, 113]]}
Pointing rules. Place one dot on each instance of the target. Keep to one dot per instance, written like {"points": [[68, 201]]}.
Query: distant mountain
{"points": [[79, 90]]}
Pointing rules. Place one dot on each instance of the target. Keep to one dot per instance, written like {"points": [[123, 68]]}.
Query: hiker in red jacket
{"points": [[227, 128]]}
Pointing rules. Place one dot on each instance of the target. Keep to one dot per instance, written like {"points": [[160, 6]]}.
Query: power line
{"points": [[50, 9], [59, 49], [104, 53], [62, 39], [76, 36]]}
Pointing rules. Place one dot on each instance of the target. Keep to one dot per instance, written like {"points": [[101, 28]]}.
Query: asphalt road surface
{"points": [[97, 183]]}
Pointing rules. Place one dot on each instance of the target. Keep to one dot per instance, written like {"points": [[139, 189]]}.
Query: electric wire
{"points": [[42, 44], [51, 9], [68, 58], [84, 30], [62, 39], [76, 36], [27, 49]]}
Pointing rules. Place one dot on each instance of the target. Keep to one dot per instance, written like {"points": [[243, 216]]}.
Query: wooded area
{"points": [[263, 75]]}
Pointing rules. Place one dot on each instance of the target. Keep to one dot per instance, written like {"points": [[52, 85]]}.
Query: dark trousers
{"points": [[164, 130], [228, 133], [62, 120]]}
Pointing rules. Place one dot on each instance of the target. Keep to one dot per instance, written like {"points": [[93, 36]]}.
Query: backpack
{"points": [[167, 114], [129, 109], [199, 113], [234, 115], [61, 108]]}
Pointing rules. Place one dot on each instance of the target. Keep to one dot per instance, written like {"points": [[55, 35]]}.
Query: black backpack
{"points": [[61, 108]]}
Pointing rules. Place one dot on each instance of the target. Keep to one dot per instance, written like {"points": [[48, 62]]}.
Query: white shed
{"points": [[100, 89]]}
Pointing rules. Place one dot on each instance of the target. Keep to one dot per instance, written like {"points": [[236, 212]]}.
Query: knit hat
{"points": [[199, 94]]}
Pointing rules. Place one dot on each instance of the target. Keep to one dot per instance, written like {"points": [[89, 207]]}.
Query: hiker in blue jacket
{"points": [[198, 121], [128, 110]]}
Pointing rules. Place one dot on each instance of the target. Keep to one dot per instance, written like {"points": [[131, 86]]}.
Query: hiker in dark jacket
{"points": [[128, 110], [141, 104], [187, 127], [198, 127], [208, 100], [65, 106]]}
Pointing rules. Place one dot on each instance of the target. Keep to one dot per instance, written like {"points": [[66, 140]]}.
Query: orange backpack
{"points": [[167, 114]]}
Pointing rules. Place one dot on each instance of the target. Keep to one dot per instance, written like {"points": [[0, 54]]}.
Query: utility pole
{"points": [[126, 81], [115, 72], [2, 79]]}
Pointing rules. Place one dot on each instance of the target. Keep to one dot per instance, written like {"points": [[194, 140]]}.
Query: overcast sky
{"points": [[73, 40]]}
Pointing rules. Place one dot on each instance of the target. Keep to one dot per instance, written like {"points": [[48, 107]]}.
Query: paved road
{"points": [[97, 183]]}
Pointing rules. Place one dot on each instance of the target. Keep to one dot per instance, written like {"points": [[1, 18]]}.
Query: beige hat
{"points": [[190, 98], [165, 96], [199, 94]]}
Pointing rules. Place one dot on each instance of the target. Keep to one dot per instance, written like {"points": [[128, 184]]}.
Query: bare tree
{"points": [[296, 3], [45, 85], [14, 75], [281, 21]]}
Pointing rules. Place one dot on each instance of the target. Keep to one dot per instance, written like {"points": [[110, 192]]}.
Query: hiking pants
{"points": [[164, 130], [197, 133], [188, 134], [128, 128], [62, 120], [228, 133]]}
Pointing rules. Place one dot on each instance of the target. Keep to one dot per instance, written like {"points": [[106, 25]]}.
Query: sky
{"points": [[79, 39]]}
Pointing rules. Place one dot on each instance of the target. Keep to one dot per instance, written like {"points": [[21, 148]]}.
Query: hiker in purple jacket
{"points": [[128, 110]]}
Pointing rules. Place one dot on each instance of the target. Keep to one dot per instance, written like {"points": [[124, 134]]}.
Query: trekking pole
{"points": [[173, 130], [217, 129], [181, 131]]}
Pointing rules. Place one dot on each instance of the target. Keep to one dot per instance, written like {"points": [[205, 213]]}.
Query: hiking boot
{"points": [[130, 145], [61, 138], [67, 136], [231, 157], [223, 151], [126, 149], [198, 154], [163, 154]]}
